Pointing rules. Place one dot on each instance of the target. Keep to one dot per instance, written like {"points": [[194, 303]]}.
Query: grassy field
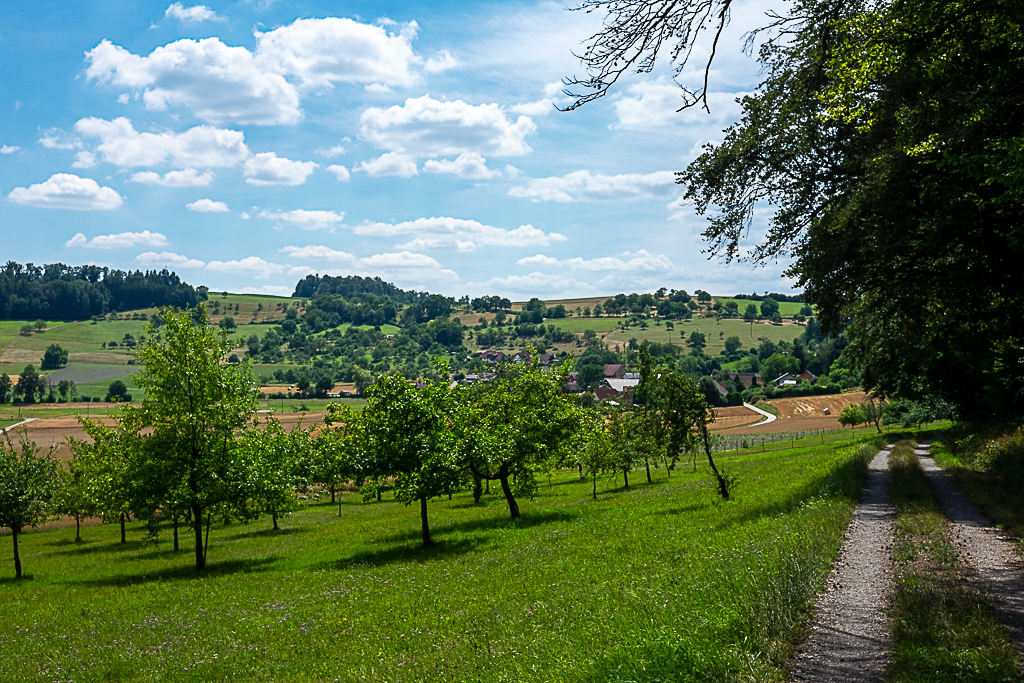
{"points": [[658, 582]]}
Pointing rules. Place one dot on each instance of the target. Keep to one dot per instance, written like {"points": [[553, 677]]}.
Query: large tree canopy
{"points": [[889, 139]]}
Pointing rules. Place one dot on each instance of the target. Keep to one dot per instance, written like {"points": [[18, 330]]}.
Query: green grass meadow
{"points": [[659, 582]]}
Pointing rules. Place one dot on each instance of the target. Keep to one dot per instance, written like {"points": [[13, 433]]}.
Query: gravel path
{"points": [[768, 417], [849, 638], [984, 551]]}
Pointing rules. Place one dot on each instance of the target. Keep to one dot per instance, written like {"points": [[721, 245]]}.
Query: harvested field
{"points": [[84, 374], [805, 413], [734, 416]]}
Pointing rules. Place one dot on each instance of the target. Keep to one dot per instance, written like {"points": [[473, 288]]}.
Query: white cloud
{"points": [[67, 191], [404, 259], [9, 149], [467, 165], [252, 265], [201, 146], [194, 14], [377, 88], [582, 186], [652, 105], [167, 259], [123, 98], [188, 177], [340, 172], [55, 138], [331, 152], [317, 253], [119, 241], [425, 127], [218, 83], [266, 168], [548, 286], [84, 160], [389, 163], [540, 107], [207, 206], [641, 261], [442, 62], [307, 220], [321, 52], [460, 234]]}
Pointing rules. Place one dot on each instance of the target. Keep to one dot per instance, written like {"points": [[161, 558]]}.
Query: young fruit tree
{"points": [[28, 484]]}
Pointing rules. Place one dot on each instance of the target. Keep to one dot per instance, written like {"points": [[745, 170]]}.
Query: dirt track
{"points": [[802, 414], [734, 416]]}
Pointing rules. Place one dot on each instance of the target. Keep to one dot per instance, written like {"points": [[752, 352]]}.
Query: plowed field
{"points": [[734, 416], [802, 414]]}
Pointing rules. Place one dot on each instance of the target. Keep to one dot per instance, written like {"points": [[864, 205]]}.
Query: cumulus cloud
{"points": [[273, 290], [535, 283], [583, 186], [652, 105], [188, 177], [317, 253], [340, 172], [252, 265], [9, 149], [207, 206], [167, 259], [67, 191], [201, 146], [266, 168], [468, 165], [55, 138], [192, 15], [119, 241], [84, 160], [442, 62], [425, 127], [459, 234], [220, 83], [541, 107], [389, 164], [636, 262], [331, 152], [306, 219]]}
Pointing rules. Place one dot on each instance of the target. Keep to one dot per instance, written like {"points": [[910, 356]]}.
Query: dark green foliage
{"points": [[28, 483], [354, 288], [31, 385], [118, 391], [54, 357]]}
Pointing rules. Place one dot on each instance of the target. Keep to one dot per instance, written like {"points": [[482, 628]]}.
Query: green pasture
{"points": [[715, 331], [786, 308], [659, 582]]}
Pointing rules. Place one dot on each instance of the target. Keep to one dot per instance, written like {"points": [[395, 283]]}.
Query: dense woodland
{"points": [[60, 292]]}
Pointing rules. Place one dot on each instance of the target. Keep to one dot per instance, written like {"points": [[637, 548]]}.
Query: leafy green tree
{"points": [[30, 385], [873, 411], [28, 484], [697, 339], [117, 392], [74, 495], [769, 307], [228, 323], [405, 433], [517, 425], [198, 408], [40, 325], [732, 345], [777, 365], [26, 330], [750, 312], [268, 468], [107, 469], [6, 388], [333, 449], [54, 357], [362, 379], [67, 390], [851, 415]]}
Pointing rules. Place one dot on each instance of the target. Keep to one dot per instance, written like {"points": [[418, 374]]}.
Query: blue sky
{"points": [[247, 144]]}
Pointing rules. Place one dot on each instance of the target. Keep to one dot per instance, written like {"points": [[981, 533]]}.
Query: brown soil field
{"points": [[803, 414], [734, 416]]}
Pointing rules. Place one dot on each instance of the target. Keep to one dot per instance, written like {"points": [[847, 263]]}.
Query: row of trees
{"points": [[195, 450]]}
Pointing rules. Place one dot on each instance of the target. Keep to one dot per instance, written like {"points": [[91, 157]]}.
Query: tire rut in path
{"points": [[985, 552], [850, 635]]}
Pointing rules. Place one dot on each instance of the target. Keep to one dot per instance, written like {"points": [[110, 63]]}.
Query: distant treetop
{"points": [[353, 287]]}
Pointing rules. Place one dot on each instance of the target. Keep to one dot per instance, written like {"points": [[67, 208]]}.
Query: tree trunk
{"points": [[17, 556], [582, 478], [122, 529], [332, 493], [647, 464], [197, 524], [478, 488], [723, 488], [427, 541], [78, 528], [175, 534], [513, 506], [625, 477], [595, 484], [274, 516]]}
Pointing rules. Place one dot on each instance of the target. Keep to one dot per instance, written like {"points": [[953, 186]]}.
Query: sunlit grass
{"points": [[660, 582]]}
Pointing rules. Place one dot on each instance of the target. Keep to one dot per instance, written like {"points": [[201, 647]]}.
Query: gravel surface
{"points": [[850, 635], [986, 554]]}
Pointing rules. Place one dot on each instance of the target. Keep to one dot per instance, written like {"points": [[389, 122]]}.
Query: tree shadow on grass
{"points": [[487, 524], [693, 507], [406, 553], [87, 547], [185, 572], [268, 533]]}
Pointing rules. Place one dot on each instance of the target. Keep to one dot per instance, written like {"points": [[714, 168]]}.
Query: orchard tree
{"points": [[516, 425], [107, 469], [267, 469], [75, 494], [28, 484], [6, 388], [54, 357], [198, 407], [851, 415], [30, 384], [406, 433]]}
